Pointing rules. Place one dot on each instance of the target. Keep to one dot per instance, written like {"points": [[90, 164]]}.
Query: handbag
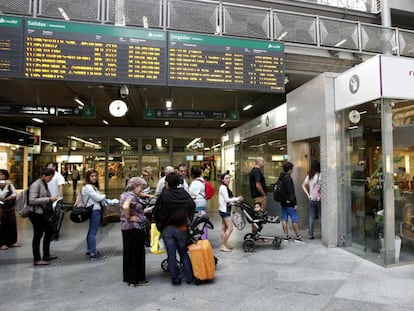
{"points": [[81, 211], [157, 243]]}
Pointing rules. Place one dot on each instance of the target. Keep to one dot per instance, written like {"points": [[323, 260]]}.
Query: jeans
{"points": [[94, 223], [176, 240], [314, 210]]}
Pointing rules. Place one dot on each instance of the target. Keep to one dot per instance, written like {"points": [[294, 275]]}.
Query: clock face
{"points": [[118, 108], [354, 116]]}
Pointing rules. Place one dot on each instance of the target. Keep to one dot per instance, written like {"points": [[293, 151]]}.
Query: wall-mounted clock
{"points": [[118, 108], [354, 116]]}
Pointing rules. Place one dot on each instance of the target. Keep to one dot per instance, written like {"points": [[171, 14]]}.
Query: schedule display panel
{"points": [[11, 46], [58, 50], [221, 62]]}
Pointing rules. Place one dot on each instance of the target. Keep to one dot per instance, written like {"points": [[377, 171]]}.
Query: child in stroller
{"points": [[195, 230], [257, 217]]}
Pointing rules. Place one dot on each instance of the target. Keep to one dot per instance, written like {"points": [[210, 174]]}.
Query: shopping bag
{"points": [[157, 243]]}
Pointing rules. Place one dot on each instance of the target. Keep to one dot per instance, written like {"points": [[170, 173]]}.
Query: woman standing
{"points": [[133, 224], [311, 186], [92, 196], [225, 198], [197, 191], [41, 214], [8, 228]]}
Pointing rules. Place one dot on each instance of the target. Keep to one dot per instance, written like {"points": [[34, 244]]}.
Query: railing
{"points": [[221, 18]]}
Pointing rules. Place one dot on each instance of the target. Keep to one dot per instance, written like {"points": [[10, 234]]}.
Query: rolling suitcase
{"points": [[202, 260]]}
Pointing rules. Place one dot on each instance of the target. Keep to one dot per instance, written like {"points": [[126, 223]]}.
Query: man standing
{"points": [[56, 184], [182, 171], [289, 207], [161, 183], [258, 186], [173, 209], [75, 178]]}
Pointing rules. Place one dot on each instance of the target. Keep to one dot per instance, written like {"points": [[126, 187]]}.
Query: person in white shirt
{"points": [[311, 186], [56, 184], [182, 171], [225, 198], [161, 183]]}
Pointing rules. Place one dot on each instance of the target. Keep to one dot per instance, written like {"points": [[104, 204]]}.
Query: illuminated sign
{"points": [[11, 46]]}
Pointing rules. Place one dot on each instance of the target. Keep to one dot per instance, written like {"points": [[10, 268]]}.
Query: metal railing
{"points": [[222, 18]]}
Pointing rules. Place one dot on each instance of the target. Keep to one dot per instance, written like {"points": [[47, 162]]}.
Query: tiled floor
{"points": [[299, 276]]}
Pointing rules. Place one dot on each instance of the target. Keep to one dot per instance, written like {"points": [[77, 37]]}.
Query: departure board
{"points": [[221, 62], [60, 50], [11, 46]]}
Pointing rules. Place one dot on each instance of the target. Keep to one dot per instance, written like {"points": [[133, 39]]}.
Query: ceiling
{"points": [[299, 69]]}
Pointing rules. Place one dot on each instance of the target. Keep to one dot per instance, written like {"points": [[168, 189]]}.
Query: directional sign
{"points": [[19, 110], [151, 113]]}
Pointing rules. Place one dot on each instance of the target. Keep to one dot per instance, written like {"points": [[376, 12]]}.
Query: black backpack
{"points": [[280, 191]]}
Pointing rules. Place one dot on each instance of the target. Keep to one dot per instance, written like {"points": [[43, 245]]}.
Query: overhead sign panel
{"points": [[221, 62], [11, 46], [59, 50], [33, 111], [191, 114]]}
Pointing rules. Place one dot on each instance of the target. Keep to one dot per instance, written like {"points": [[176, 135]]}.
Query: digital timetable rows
{"points": [[70, 51]]}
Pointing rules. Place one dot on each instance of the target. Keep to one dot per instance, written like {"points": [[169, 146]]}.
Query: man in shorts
{"points": [[289, 208]]}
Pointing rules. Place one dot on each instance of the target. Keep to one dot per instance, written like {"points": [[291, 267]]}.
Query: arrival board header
{"points": [[11, 46], [222, 62], [94, 53]]}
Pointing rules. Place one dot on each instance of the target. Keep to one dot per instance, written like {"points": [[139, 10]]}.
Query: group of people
{"points": [[177, 202], [311, 187]]}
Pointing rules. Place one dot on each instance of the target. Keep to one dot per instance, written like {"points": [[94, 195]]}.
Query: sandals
{"points": [[41, 263], [4, 247]]}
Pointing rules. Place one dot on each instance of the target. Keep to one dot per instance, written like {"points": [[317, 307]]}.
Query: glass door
{"points": [[361, 178]]}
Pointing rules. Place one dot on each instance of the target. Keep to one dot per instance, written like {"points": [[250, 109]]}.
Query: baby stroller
{"points": [[257, 219], [195, 231]]}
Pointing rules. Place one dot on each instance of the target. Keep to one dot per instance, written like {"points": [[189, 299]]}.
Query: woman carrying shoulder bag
{"points": [[311, 186], [90, 193], [41, 211]]}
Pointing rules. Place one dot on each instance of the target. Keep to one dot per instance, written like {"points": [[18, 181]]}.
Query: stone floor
{"points": [[298, 276]]}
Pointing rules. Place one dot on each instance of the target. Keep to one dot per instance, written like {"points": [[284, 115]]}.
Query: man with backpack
{"points": [[288, 202]]}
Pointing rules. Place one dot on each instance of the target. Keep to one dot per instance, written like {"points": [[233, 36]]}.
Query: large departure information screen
{"points": [[220, 62], [94, 53], [11, 46]]}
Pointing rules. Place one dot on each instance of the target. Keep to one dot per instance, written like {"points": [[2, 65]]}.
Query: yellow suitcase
{"points": [[202, 260]]}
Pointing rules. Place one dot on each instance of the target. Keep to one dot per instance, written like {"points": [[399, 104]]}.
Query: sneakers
{"points": [[287, 238], [299, 239], [97, 256], [311, 237]]}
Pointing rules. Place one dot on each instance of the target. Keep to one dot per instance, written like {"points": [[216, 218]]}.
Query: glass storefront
{"points": [[11, 159], [365, 216]]}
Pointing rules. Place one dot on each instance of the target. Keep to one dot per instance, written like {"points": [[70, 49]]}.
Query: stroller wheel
{"points": [[164, 265], [249, 236], [248, 245], [277, 242]]}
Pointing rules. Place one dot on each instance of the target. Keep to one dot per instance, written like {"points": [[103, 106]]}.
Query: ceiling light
{"points": [[158, 142], [87, 143], [247, 107], [80, 102], [63, 13], [223, 124], [48, 142], [105, 122], [282, 36], [193, 142], [166, 123], [38, 120], [123, 142], [145, 22], [206, 149], [340, 43], [215, 146], [168, 104]]}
